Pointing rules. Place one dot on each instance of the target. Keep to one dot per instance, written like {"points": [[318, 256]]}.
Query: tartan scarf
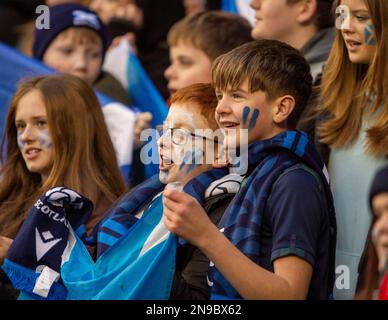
{"points": [[241, 222]]}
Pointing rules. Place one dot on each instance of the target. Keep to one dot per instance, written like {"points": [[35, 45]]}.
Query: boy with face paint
{"points": [[306, 25], [187, 138], [277, 238]]}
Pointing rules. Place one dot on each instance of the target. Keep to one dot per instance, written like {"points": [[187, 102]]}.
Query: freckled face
{"points": [[33, 136]]}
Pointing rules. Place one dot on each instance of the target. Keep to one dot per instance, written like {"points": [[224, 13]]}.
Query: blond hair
{"points": [[347, 89]]}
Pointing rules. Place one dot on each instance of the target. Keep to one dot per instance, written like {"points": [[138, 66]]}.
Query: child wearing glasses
{"points": [[276, 239], [187, 136]]}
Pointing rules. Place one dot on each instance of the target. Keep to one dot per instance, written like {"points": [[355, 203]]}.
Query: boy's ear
{"points": [[284, 107], [307, 11]]}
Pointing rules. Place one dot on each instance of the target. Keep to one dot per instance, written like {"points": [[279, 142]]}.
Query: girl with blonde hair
{"points": [[354, 94]]}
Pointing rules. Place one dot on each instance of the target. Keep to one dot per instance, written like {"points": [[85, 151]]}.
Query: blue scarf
{"points": [[268, 159], [140, 262], [122, 216], [34, 260]]}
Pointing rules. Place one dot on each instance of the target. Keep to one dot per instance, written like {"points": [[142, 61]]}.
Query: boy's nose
{"points": [[222, 107], [169, 72]]}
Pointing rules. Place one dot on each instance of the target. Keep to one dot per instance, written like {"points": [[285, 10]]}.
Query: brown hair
{"points": [[323, 16], [84, 157], [81, 35], [368, 269], [203, 97], [347, 87], [212, 32], [270, 66]]}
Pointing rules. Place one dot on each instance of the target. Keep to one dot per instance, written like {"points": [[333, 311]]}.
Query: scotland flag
{"points": [[48, 259], [126, 67], [120, 119]]}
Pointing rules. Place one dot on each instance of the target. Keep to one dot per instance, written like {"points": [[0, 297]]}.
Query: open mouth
{"points": [[165, 163], [352, 44], [32, 153], [230, 125]]}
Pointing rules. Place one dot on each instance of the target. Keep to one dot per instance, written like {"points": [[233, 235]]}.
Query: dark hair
{"points": [[324, 14], [212, 32], [270, 66]]}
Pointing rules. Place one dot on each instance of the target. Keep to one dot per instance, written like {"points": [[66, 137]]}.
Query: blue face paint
{"points": [[369, 33], [44, 139], [246, 112], [254, 118], [255, 115], [193, 159], [20, 141]]}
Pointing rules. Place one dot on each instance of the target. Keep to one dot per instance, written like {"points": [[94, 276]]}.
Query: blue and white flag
{"points": [[126, 67], [240, 7], [140, 266], [120, 118], [49, 260]]}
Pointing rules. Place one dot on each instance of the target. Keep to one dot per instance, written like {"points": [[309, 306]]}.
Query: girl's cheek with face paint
{"points": [[20, 141], [369, 33], [44, 139]]}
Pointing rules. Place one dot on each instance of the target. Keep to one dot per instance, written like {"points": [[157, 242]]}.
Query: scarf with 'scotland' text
{"points": [[34, 260]]}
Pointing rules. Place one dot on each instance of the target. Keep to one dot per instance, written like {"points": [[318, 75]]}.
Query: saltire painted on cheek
{"points": [[120, 118], [369, 33]]}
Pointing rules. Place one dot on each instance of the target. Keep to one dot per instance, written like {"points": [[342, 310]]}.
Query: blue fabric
{"points": [[148, 99], [123, 273], [43, 238], [121, 216], [296, 222], [229, 6], [127, 266], [14, 67], [242, 220]]}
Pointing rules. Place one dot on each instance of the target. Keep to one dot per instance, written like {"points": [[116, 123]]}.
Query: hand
{"points": [[132, 13], [130, 37], [142, 122], [5, 243], [186, 218], [380, 240]]}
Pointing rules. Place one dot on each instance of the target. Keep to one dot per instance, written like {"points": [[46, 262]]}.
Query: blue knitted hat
{"points": [[65, 16]]}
